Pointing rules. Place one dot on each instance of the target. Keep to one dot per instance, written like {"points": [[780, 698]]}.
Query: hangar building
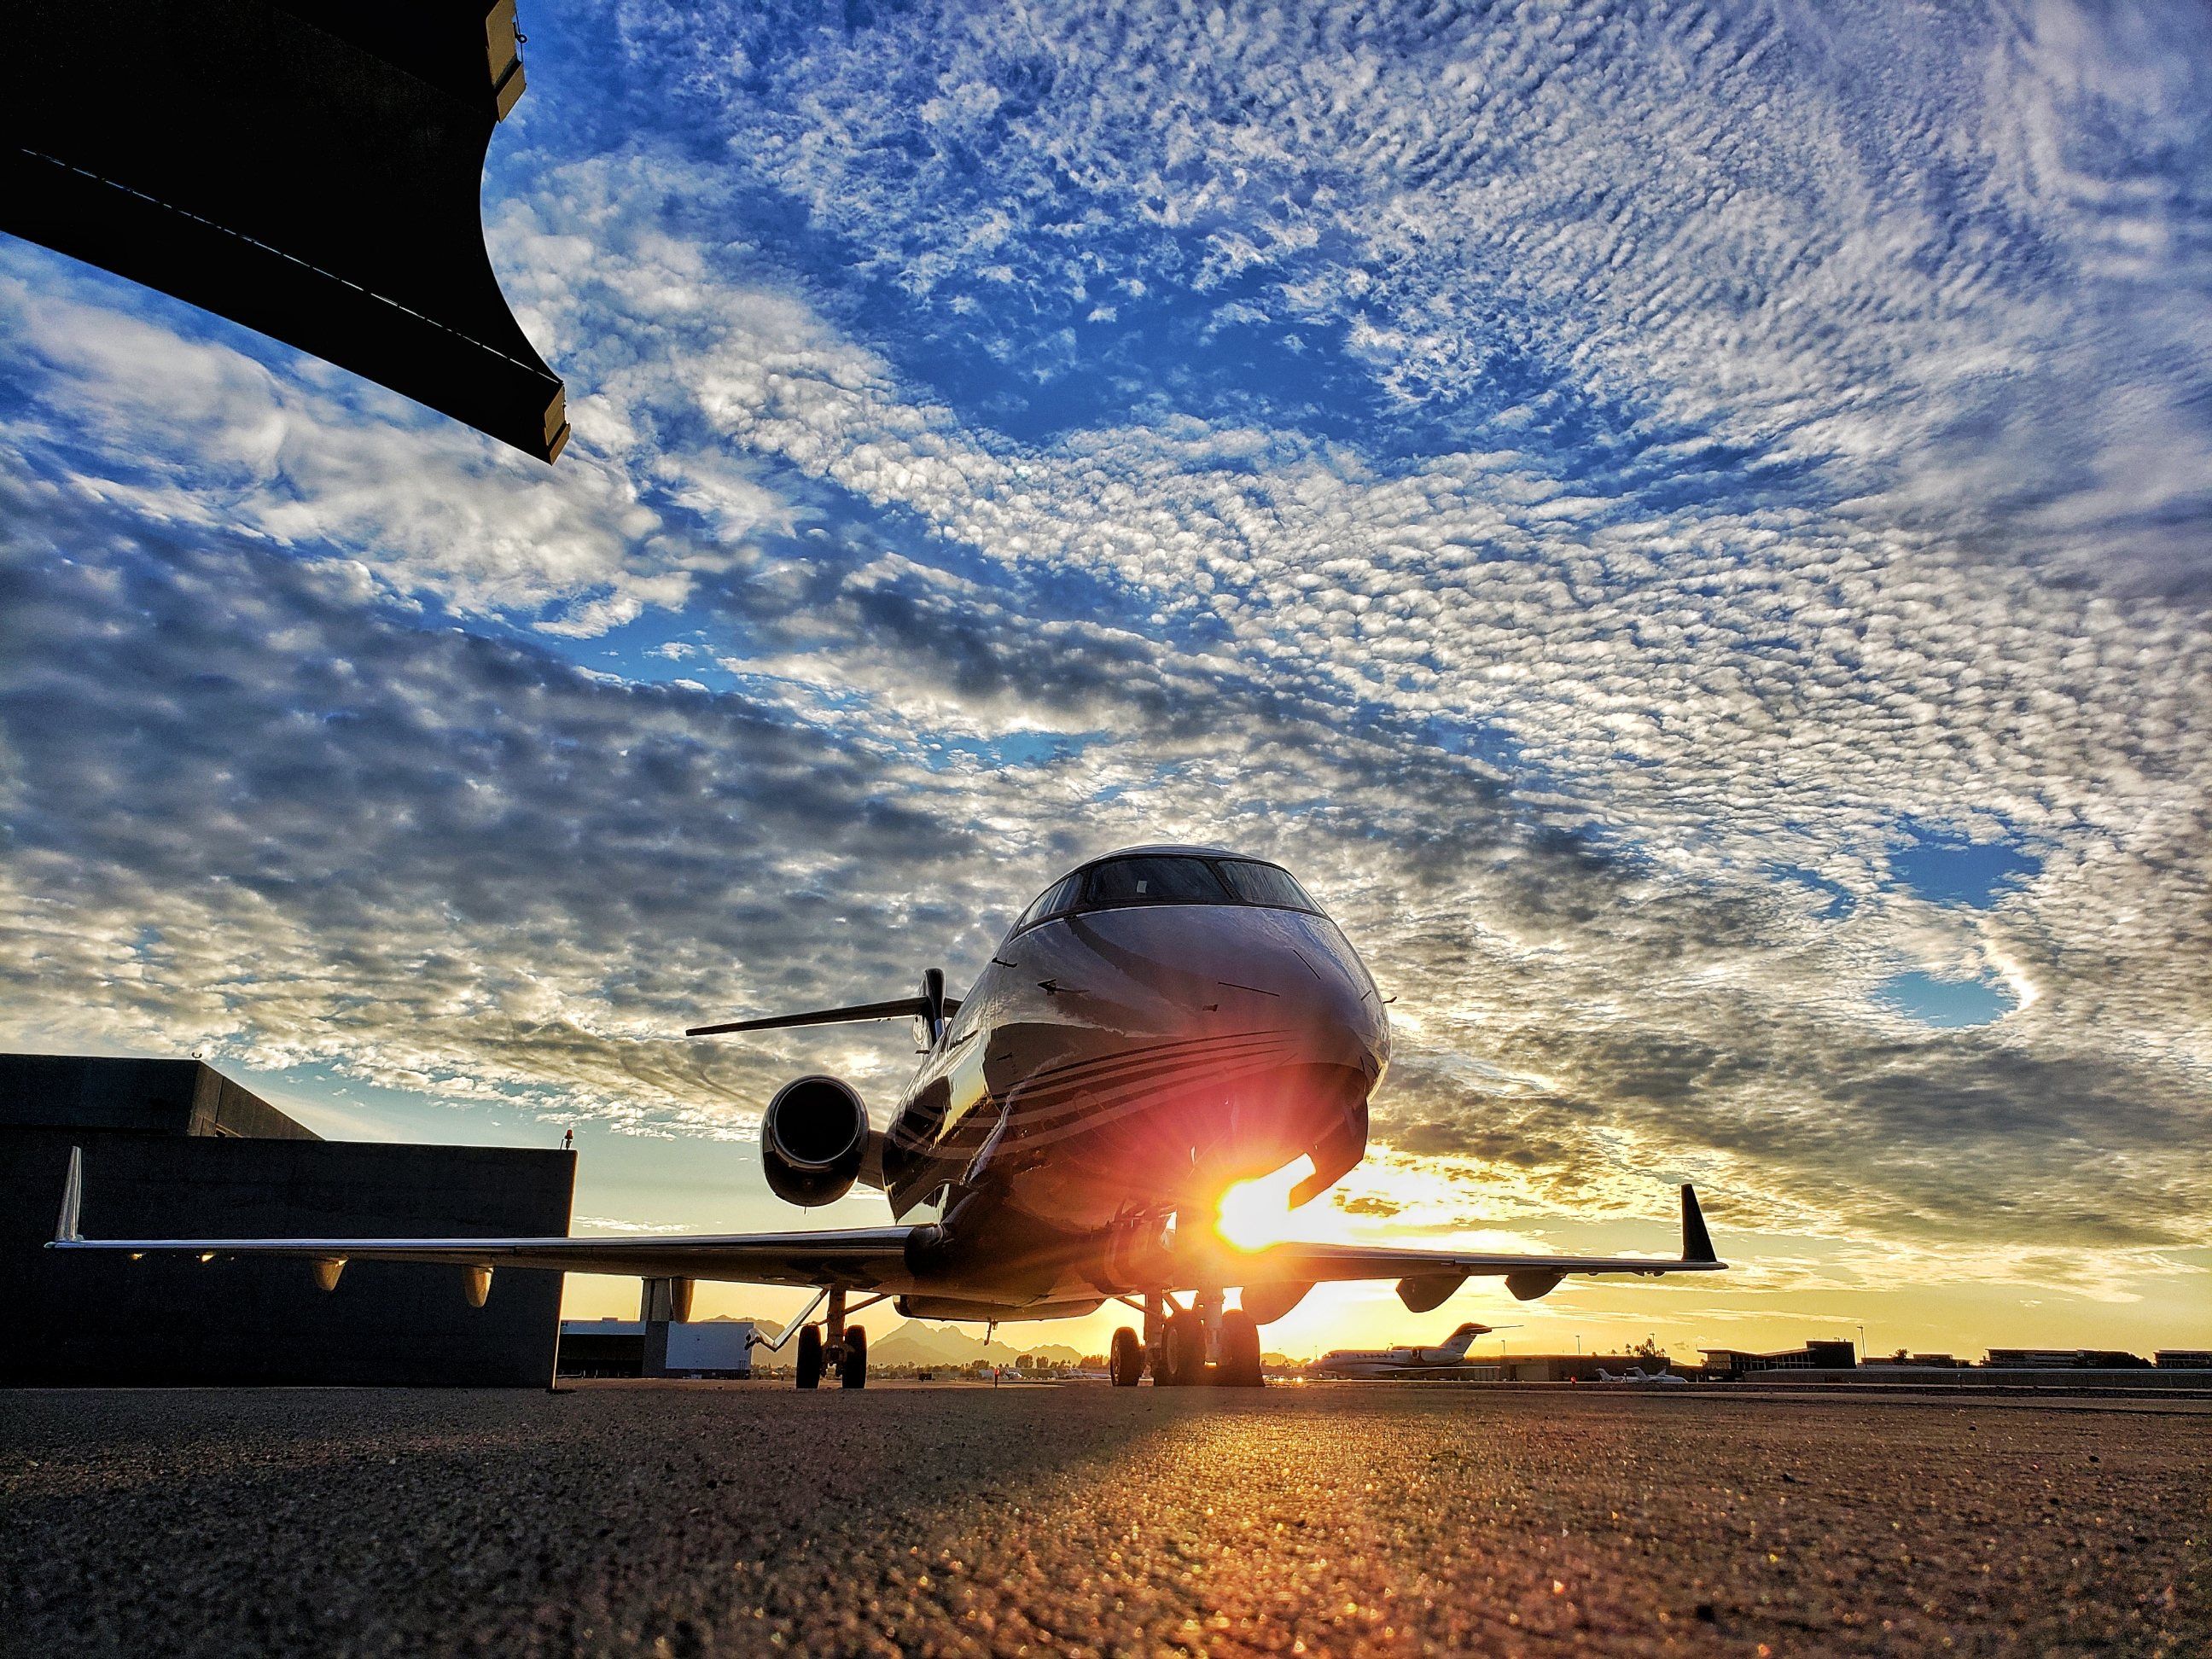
{"points": [[174, 1149]]}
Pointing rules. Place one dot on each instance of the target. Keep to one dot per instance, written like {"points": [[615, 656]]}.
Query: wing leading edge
{"points": [[858, 1258]]}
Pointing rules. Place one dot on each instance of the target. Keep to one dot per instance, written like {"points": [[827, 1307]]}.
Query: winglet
{"points": [[1697, 1242], [66, 1229]]}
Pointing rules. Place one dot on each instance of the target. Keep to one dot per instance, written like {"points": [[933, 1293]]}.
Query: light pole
{"points": [[1863, 1352]]}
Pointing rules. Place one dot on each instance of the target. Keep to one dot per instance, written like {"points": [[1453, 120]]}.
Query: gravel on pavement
{"points": [[749, 1518]]}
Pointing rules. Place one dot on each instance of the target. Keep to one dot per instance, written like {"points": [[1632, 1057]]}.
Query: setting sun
{"points": [[1255, 1213]]}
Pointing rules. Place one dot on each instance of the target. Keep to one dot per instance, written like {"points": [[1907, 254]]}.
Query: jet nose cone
{"points": [[1325, 1002], [1252, 1037], [1329, 1045], [1346, 1020]]}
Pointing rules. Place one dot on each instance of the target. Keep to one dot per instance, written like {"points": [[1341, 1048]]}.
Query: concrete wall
{"points": [[109, 1320]]}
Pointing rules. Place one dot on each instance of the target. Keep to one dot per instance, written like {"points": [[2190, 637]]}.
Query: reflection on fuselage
{"points": [[1129, 1061]]}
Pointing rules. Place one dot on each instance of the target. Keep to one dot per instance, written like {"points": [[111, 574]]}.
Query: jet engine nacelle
{"points": [[814, 1139]]}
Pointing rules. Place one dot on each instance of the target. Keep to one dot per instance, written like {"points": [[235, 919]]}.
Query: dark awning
{"points": [[310, 170]]}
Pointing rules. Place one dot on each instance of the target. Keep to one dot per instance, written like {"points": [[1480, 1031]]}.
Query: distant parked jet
{"points": [[1158, 1026], [1641, 1378], [1446, 1357]]}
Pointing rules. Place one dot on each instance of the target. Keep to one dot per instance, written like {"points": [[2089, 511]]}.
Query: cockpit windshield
{"points": [[1263, 883], [1155, 881], [1169, 878]]}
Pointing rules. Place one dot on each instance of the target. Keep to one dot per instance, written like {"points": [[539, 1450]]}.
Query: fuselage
{"points": [[1161, 1024]]}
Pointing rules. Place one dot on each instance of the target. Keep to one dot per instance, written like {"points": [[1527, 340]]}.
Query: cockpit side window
{"points": [[1059, 896], [1155, 881], [1263, 883]]}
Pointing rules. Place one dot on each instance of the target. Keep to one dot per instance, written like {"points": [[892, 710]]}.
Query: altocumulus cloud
{"points": [[1609, 496]]}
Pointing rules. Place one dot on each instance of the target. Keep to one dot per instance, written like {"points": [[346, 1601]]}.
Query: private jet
{"points": [[1447, 1358], [1159, 1025]]}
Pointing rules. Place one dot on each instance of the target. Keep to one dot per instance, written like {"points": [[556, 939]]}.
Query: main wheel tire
{"points": [[1240, 1352], [1182, 1350], [1127, 1364], [809, 1358], [854, 1373]]}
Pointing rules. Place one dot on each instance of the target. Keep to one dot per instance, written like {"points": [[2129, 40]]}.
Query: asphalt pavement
{"points": [[751, 1518]]}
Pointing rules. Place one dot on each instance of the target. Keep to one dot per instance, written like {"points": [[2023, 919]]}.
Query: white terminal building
{"points": [[657, 1347]]}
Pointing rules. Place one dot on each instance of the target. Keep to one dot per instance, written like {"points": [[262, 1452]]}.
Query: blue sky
{"points": [[1688, 529]]}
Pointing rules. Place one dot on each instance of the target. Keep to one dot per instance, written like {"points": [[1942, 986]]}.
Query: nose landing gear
{"points": [[1183, 1349], [1202, 1343]]}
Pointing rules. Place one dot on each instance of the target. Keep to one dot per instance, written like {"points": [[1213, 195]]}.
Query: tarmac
{"points": [[750, 1519]]}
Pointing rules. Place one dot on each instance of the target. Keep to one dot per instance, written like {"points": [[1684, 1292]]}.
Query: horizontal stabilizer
{"points": [[897, 1008]]}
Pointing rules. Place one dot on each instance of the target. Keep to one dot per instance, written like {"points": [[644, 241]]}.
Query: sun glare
{"points": [[1255, 1213]]}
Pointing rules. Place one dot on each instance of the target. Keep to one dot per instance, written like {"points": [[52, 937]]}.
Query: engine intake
{"points": [[814, 1139]]}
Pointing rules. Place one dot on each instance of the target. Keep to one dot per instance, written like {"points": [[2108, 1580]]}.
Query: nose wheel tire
{"points": [[809, 1358], [1239, 1367], [1182, 1350], [1126, 1365], [854, 1372]]}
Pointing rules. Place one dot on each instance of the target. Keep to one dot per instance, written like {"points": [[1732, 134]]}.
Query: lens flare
{"points": [[1257, 1213]]}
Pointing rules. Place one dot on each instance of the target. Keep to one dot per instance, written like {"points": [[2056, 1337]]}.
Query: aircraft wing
{"points": [[856, 1258], [1427, 1278]]}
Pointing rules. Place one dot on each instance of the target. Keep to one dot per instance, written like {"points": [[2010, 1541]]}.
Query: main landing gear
{"points": [[1184, 1347], [844, 1352], [1238, 1339], [1126, 1364]]}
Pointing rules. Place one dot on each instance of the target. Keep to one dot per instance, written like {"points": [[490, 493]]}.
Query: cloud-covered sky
{"points": [[1690, 530]]}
